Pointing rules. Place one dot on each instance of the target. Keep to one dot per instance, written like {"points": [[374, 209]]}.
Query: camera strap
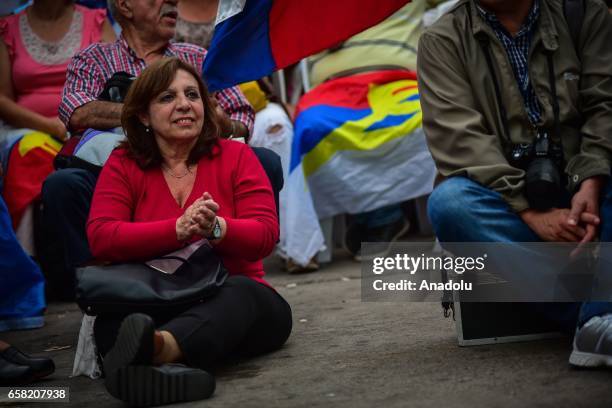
{"points": [[486, 49], [555, 100], [484, 44]]}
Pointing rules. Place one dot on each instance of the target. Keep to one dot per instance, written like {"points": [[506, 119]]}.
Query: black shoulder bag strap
{"points": [[484, 44], [574, 15]]}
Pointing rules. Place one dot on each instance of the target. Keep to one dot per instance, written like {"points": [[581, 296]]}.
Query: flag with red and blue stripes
{"points": [[267, 35]]}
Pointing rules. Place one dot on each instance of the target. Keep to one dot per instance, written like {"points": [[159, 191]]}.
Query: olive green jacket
{"points": [[461, 116]]}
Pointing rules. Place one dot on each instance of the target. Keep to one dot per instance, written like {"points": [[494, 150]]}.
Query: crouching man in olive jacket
{"points": [[500, 79]]}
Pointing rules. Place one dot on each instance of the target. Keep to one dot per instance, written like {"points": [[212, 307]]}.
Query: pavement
{"points": [[347, 353]]}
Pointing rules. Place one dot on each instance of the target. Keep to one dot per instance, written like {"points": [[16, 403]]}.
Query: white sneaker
{"points": [[593, 343]]}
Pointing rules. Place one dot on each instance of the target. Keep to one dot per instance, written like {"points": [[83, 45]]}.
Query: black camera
{"points": [[542, 161]]}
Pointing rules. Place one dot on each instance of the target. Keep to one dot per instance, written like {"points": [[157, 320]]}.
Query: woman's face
{"points": [[177, 114]]}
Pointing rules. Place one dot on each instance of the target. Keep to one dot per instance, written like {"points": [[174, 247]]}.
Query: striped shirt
{"points": [[517, 48], [89, 70]]}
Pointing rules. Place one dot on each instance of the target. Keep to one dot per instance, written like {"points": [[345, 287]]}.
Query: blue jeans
{"points": [[22, 286], [380, 217], [461, 210]]}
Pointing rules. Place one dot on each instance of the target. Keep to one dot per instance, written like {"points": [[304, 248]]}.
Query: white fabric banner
{"points": [[353, 182]]}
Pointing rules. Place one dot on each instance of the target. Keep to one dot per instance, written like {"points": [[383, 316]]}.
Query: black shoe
{"points": [[134, 344], [40, 366], [13, 374], [145, 386], [383, 236]]}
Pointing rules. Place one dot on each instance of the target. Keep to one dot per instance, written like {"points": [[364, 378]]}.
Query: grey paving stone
{"points": [[346, 353]]}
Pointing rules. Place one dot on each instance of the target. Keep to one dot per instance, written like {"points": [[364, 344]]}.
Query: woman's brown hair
{"points": [[155, 79]]}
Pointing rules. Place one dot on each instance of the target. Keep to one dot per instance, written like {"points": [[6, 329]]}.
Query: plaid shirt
{"points": [[517, 49], [89, 70]]}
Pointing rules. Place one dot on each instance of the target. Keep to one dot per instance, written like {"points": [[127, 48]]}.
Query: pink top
{"points": [[38, 67], [133, 214]]}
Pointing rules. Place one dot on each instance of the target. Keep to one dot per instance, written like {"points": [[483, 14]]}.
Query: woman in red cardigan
{"points": [[173, 182]]}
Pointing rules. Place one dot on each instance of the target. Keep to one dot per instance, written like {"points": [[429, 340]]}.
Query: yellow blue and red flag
{"points": [[358, 145], [30, 161]]}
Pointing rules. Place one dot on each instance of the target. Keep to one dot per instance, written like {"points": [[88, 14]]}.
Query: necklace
{"points": [[171, 174]]}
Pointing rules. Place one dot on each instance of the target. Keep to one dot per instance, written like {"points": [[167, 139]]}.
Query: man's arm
{"points": [[458, 139], [229, 127], [237, 107], [595, 97], [79, 108], [97, 115], [590, 169]]}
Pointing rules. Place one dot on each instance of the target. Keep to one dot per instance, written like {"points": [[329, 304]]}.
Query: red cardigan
{"points": [[133, 214]]}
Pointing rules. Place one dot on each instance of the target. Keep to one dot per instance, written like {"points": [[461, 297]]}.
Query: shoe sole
{"points": [[145, 386], [134, 344], [297, 270], [369, 257], [583, 359], [38, 376], [301, 271]]}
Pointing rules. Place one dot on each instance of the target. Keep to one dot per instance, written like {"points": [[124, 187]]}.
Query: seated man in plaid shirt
{"points": [[145, 38]]}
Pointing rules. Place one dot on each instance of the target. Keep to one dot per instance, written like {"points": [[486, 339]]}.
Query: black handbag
{"points": [[137, 287]]}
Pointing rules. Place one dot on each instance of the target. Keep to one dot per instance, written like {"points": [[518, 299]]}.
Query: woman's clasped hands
{"points": [[198, 219]]}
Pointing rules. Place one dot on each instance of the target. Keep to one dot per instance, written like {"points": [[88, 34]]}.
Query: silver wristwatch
{"points": [[216, 231]]}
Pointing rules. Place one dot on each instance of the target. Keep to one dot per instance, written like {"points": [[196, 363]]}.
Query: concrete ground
{"points": [[346, 353]]}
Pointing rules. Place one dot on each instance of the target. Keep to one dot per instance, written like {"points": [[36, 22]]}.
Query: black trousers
{"points": [[245, 318], [66, 196]]}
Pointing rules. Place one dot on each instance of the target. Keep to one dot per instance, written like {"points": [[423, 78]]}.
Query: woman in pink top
{"points": [[35, 48]]}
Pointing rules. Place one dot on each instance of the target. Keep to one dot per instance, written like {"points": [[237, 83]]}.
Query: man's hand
{"points": [[586, 201], [229, 127], [552, 225]]}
